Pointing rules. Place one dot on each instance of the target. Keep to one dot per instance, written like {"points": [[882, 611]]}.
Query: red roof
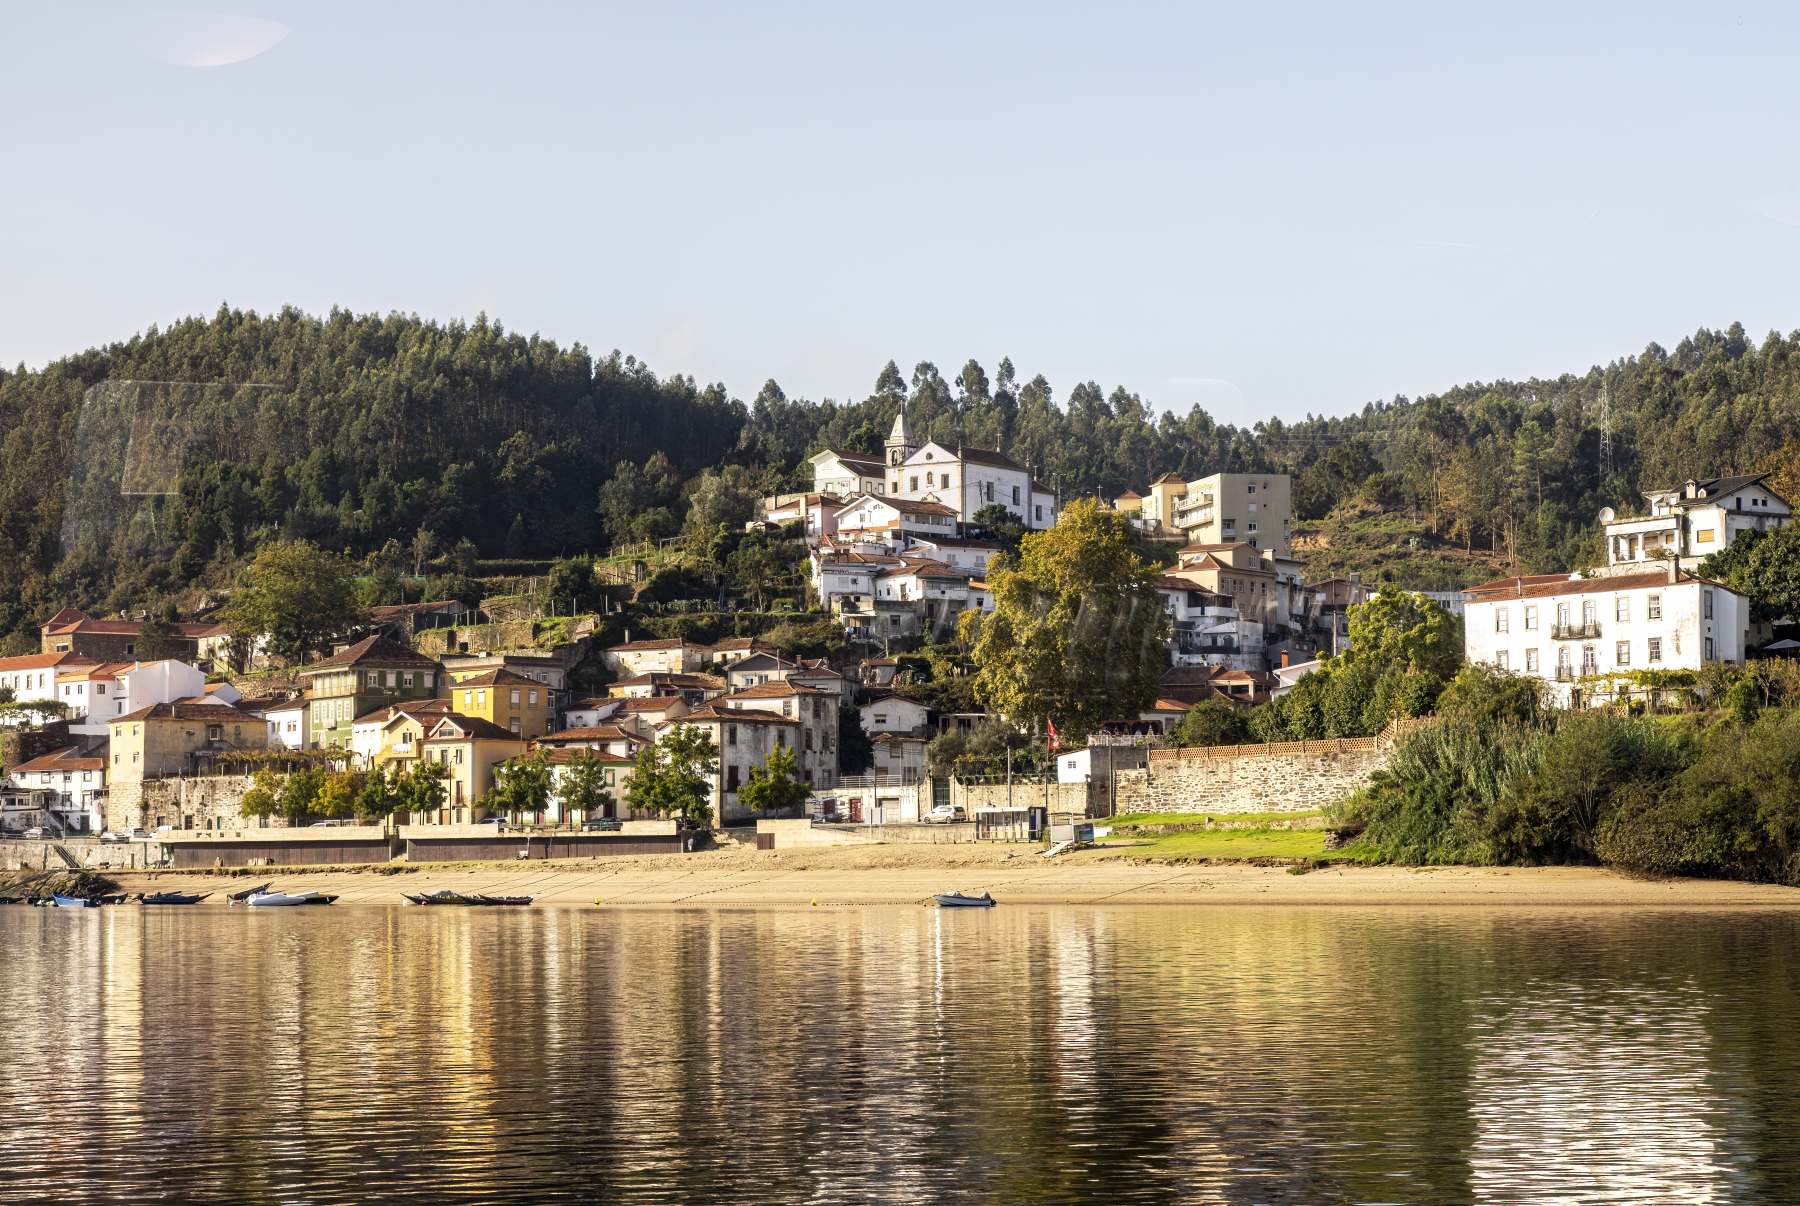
{"points": [[209, 713], [377, 650], [1516, 588], [471, 726], [775, 690], [651, 703], [61, 760], [647, 646], [46, 661], [598, 732], [496, 678], [713, 711]]}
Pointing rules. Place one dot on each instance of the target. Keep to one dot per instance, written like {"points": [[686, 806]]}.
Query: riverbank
{"points": [[868, 875]]}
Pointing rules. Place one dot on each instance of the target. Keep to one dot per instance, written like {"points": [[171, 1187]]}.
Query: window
{"points": [[1590, 660], [87, 776], [914, 483], [990, 492], [1653, 608], [1590, 611], [393, 678], [515, 697], [515, 726], [1562, 660], [533, 699], [1500, 660], [1706, 608], [1531, 617], [1040, 513], [1622, 609], [731, 736], [118, 730], [481, 699], [1703, 536], [1251, 488], [809, 744], [1015, 496], [780, 739], [1709, 657], [787, 707], [406, 680], [373, 678], [1501, 619], [1531, 661], [1562, 615], [1655, 652], [1622, 653], [731, 778]]}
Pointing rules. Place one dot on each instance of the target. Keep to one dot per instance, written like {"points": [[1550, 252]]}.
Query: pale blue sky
{"points": [[1272, 210]]}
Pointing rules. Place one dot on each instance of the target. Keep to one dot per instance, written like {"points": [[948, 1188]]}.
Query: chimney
{"points": [[1521, 581], [628, 636], [1674, 570]]}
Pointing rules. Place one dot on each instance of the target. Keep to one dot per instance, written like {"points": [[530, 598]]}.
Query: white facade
{"points": [[893, 523], [139, 685], [1694, 520], [964, 479], [848, 474], [957, 553], [1073, 766], [288, 724], [586, 713], [1586, 634], [894, 714]]}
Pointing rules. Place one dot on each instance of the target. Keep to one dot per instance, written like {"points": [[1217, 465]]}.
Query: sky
{"points": [[1269, 211]]}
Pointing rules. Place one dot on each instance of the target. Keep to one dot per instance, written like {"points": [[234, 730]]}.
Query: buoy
{"points": [[815, 902]]}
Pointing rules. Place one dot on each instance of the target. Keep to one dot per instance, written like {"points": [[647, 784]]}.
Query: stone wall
{"points": [[1287, 782], [197, 802], [478, 638], [18, 746], [1057, 797]]}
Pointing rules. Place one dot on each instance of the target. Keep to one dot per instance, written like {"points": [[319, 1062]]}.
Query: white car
{"points": [[943, 814], [36, 831]]}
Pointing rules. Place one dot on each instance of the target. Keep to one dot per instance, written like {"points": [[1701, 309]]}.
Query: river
{"points": [[894, 1054]]}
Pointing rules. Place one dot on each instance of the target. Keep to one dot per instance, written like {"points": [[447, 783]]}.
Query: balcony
{"points": [[1576, 632], [1189, 503]]}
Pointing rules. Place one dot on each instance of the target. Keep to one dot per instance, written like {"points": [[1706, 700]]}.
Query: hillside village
{"points": [[898, 550]]}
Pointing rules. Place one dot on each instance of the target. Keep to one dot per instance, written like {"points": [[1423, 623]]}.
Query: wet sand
{"points": [[835, 877]]}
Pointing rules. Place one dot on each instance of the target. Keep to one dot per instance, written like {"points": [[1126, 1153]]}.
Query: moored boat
{"points": [[264, 900], [503, 900], [74, 902], [175, 898], [246, 893], [6, 900], [963, 900]]}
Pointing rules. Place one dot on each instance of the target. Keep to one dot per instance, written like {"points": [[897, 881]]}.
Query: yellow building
{"points": [[517, 704], [179, 738], [470, 746]]}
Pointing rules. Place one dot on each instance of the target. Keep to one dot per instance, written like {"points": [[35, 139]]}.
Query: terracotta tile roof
{"points": [[209, 713], [733, 644], [1508, 588], [898, 737], [471, 726], [598, 732], [590, 703], [1169, 477], [1170, 705], [501, 677], [713, 711], [564, 756], [651, 703], [1131, 494], [415, 708], [46, 661], [670, 678], [62, 760], [858, 458], [775, 690], [376, 649], [907, 506], [649, 646]]}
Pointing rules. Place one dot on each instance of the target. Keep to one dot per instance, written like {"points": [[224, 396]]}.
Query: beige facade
{"points": [[171, 739], [470, 747], [1254, 508]]}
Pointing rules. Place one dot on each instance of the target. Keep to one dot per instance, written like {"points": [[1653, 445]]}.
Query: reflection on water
{"points": [[898, 1055]]}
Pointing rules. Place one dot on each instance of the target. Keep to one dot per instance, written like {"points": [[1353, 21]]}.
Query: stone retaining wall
{"points": [[1271, 783], [199, 802]]}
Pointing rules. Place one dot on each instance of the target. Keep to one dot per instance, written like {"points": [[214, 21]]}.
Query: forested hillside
{"points": [[365, 432]]}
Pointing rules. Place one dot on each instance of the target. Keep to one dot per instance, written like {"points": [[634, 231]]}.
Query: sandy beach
{"points": [[837, 877]]}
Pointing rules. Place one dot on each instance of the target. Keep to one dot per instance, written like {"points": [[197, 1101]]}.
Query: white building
{"points": [[586, 713], [67, 785], [100, 693], [964, 479], [895, 714], [1693, 520], [846, 576], [33, 677], [894, 523], [956, 552], [817, 714], [289, 724], [1586, 635], [848, 474]]}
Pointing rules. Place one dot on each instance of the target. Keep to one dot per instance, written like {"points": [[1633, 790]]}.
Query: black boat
{"points": [[6, 900], [175, 898], [503, 900]]}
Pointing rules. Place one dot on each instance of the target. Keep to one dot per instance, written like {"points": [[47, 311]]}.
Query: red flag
{"points": [[1055, 741]]}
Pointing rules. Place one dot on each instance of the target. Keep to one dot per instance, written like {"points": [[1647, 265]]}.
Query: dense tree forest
{"points": [[367, 433]]}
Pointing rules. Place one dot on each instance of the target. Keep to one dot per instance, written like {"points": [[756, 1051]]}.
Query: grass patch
{"points": [[1224, 843], [1199, 818]]}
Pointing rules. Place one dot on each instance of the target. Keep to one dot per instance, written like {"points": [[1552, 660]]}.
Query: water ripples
{"points": [[369, 1054]]}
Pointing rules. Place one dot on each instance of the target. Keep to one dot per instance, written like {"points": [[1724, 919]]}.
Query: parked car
{"points": [[604, 824], [36, 831], [496, 819], [943, 814], [110, 836]]}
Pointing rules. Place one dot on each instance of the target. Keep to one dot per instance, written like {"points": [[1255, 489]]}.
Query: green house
{"points": [[371, 674]]}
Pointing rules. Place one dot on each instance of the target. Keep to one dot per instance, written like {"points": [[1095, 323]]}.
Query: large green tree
{"points": [[582, 787], [297, 596], [673, 776], [1077, 632], [521, 786], [775, 785]]}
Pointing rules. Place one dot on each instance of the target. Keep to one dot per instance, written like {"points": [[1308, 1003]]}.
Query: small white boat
{"points": [[964, 900], [273, 899]]}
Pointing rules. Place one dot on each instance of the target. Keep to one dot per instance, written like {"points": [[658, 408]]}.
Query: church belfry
{"points": [[900, 443]]}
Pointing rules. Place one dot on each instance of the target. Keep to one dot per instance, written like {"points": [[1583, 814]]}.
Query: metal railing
{"points": [[1589, 631]]}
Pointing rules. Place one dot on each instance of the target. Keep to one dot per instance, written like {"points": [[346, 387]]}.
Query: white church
{"points": [[964, 479]]}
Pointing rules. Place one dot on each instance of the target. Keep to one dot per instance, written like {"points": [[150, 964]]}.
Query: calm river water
{"points": [[368, 1054]]}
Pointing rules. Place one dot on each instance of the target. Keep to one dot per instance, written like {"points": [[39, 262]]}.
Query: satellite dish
{"points": [[1606, 514]]}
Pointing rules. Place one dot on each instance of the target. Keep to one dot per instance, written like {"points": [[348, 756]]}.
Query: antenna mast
{"points": [[1605, 437]]}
